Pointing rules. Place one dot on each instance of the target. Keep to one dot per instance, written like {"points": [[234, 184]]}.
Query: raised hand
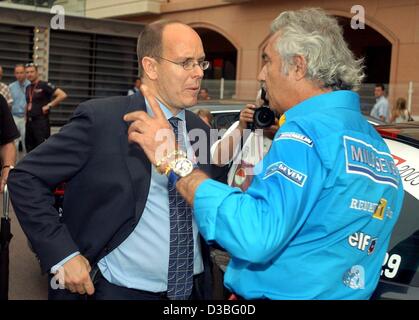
{"points": [[153, 134]]}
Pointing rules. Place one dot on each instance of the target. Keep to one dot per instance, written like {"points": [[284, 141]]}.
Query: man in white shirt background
{"points": [[18, 89], [381, 107]]}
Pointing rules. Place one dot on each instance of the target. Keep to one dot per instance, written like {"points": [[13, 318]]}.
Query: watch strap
{"points": [[173, 177]]}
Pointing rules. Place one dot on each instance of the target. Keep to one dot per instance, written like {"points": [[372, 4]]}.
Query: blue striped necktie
{"points": [[180, 273]]}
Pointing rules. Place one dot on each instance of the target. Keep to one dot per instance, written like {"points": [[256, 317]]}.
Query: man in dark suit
{"points": [[115, 238]]}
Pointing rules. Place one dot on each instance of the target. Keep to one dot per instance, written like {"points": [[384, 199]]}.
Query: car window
{"points": [[224, 120]]}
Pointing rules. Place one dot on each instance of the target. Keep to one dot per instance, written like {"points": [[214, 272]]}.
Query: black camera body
{"points": [[263, 117]]}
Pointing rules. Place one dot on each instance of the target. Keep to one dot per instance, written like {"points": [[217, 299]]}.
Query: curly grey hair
{"points": [[317, 37]]}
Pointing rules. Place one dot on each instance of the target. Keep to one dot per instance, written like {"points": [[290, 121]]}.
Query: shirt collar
{"points": [[17, 83], [168, 114], [335, 99], [24, 84]]}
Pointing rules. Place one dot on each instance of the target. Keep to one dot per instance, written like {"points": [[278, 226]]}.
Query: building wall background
{"points": [[246, 25], [89, 58]]}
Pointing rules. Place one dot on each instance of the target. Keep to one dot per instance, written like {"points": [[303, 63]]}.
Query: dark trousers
{"points": [[104, 290], [37, 131]]}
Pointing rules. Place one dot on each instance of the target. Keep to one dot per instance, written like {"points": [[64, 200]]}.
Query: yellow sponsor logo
{"points": [[380, 210]]}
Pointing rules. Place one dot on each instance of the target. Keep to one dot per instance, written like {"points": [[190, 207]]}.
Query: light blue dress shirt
{"points": [[18, 92], [141, 261], [381, 109]]}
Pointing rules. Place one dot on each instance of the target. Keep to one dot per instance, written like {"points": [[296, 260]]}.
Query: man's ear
{"points": [[300, 67], [149, 67]]}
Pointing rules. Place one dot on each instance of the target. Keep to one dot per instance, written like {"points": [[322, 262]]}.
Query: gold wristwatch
{"points": [[179, 168]]}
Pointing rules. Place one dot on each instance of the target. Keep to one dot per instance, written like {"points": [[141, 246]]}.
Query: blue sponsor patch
{"points": [[292, 175], [364, 159], [296, 137]]}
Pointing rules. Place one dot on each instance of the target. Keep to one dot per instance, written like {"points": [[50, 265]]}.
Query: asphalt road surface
{"points": [[25, 279]]}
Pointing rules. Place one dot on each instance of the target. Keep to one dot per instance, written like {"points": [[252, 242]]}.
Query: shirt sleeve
{"points": [[257, 224], [49, 89], [8, 129], [55, 268], [216, 143], [383, 109]]}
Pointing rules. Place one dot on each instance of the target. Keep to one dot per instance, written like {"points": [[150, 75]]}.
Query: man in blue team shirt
{"points": [[316, 222], [18, 89]]}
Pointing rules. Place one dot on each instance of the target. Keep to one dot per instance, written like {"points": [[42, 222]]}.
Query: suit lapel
{"points": [[136, 161], [193, 122], [139, 166]]}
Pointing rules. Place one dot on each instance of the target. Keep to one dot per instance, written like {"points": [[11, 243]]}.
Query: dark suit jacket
{"points": [[107, 183]]}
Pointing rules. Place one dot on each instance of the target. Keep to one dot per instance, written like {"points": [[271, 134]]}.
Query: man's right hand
{"points": [[246, 116], [75, 273]]}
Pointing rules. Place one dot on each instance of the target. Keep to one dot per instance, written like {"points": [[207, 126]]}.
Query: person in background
{"points": [[41, 96], [243, 151], [400, 113], [205, 116], [5, 91], [302, 229], [18, 90], [380, 110], [136, 87], [8, 134], [203, 94]]}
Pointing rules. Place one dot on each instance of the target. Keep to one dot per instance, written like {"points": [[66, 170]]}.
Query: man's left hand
{"points": [[45, 109], [153, 134]]}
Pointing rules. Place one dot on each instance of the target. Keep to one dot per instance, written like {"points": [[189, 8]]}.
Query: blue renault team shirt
{"points": [[316, 222]]}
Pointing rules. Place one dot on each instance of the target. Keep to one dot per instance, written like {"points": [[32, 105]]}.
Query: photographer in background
{"points": [[245, 143]]}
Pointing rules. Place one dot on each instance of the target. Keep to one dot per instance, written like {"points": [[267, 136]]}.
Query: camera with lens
{"points": [[263, 117]]}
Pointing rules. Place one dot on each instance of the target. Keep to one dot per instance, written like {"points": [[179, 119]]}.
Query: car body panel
{"points": [[406, 159]]}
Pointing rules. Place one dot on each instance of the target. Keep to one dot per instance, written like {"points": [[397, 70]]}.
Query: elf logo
{"points": [[363, 242]]}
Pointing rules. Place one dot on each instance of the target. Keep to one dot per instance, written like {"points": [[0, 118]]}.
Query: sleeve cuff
{"points": [[55, 268]]}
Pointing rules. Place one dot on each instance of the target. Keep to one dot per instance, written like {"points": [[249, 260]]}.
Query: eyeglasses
{"points": [[189, 64]]}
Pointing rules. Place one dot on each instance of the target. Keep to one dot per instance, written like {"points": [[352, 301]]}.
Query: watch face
{"points": [[183, 167]]}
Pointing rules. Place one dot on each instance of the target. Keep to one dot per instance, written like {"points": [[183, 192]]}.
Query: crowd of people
{"points": [[30, 100], [159, 206], [382, 111]]}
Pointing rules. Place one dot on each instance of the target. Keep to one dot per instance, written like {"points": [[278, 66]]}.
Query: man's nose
{"points": [[261, 75], [197, 71]]}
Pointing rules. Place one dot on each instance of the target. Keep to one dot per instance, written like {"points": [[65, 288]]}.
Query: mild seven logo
{"points": [[293, 175], [364, 159]]}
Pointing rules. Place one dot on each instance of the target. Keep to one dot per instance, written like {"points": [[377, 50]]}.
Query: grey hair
{"points": [[317, 37]]}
